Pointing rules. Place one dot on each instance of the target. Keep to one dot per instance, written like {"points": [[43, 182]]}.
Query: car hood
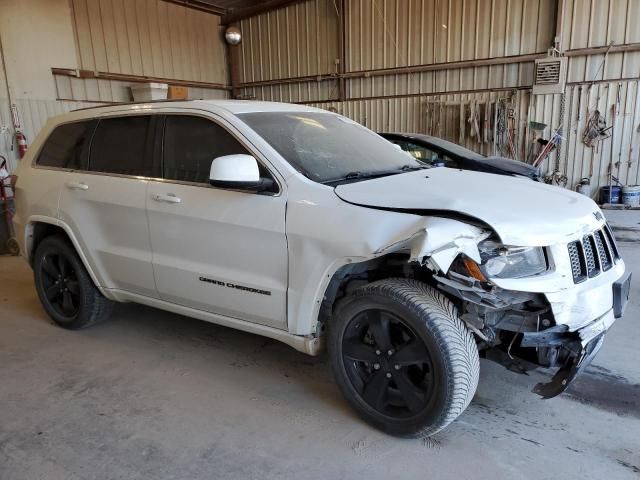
{"points": [[513, 166], [521, 212]]}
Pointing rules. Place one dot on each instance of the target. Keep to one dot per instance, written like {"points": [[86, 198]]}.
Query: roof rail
{"points": [[118, 104]]}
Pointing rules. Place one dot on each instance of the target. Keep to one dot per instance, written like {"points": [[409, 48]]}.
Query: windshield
{"points": [[329, 148]]}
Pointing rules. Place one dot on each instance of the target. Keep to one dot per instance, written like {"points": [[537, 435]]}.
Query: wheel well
{"points": [[40, 231], [355, 275]]}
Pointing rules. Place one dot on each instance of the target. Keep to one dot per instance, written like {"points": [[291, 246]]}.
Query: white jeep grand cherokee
{"points": [[303, 226]]}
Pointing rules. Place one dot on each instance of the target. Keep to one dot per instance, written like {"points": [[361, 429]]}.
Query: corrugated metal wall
{"points": [[297, 41], [146, 38], [301, 43], [596, 23], [135, 37], [399, 33], [33, 115], [395, 33]]}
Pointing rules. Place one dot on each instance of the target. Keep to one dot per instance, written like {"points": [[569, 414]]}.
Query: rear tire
{"points": [[64, 287], [402, 357]]}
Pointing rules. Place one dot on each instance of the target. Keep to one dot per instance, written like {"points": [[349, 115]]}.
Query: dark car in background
{"points": [[438, 152]]}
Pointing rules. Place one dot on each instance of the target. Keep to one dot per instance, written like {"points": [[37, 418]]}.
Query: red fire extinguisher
{"points": [[21, 140]]}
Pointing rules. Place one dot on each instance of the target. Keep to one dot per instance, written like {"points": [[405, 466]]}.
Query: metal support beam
{"points": [[434, 67], [263, 7], [234, 67], [342, 68], [199, 5], [400, 70]]}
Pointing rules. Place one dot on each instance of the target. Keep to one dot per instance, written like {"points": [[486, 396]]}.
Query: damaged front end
{"points": [[518, 329]]}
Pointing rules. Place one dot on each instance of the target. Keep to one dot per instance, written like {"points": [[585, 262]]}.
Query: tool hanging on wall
{"points": [[595, 129], [511, 131], [548, 147], [474, 120], [500, 127], [462, 123], [537, 130], [486, 123]]}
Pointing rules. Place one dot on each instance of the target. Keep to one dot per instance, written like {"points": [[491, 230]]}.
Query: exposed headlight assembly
{"points": [[499, 261]]}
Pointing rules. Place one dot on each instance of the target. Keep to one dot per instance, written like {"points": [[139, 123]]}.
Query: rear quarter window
{"points": [[67, 146]]}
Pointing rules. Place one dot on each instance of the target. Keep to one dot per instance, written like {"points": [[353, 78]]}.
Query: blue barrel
{"points": [[615, 194]]}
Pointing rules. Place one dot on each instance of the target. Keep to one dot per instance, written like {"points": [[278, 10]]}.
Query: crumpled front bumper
{"points": [[581, 345]]}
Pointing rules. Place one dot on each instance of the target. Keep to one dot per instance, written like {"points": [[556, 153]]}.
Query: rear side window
{"points": [[67, 146], [190, 145], [123, 145]]}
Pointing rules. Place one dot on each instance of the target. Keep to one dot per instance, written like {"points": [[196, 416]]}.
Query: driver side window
{"points": [[191, 143]]}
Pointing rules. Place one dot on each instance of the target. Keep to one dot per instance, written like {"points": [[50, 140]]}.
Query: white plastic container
{"points": [[146, 92], [631, 195], [584, 187]]}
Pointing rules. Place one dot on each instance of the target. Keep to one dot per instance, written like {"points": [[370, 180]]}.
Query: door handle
{"points": [[168, 198], [77, 186]]}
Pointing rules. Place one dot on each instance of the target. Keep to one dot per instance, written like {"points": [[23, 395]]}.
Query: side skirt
{"points": [[305, 344]]}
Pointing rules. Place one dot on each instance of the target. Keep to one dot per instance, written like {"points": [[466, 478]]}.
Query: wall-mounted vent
{"points": [[550, 75]]}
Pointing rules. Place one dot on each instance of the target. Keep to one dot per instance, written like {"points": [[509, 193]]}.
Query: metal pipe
{"points": [[413, 95], [399, 70], [627, 47], [631, 47], [5, 74], [123, 77]]}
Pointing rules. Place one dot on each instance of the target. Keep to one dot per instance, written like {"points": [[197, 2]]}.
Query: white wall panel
{"points": [[149, 37], [36, 35]]}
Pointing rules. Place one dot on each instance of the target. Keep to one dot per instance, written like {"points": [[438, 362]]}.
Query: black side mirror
{"points": [[261, 185]]}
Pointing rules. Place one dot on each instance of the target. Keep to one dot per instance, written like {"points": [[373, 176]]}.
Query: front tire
{"points": [[64, 287], [402, 357]]}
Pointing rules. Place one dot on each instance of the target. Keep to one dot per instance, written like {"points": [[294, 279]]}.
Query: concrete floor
{"points": [[151, 395]]}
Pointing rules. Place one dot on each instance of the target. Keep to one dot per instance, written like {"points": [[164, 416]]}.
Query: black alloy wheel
{"points": [[402, 357], [388, 364], [60, 283], [64, 286]]}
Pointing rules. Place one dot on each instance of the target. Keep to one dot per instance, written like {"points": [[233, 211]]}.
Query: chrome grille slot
{"points": [[578, 266], [612, 242], [606, 261], [593, 261], [594, 254]]}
